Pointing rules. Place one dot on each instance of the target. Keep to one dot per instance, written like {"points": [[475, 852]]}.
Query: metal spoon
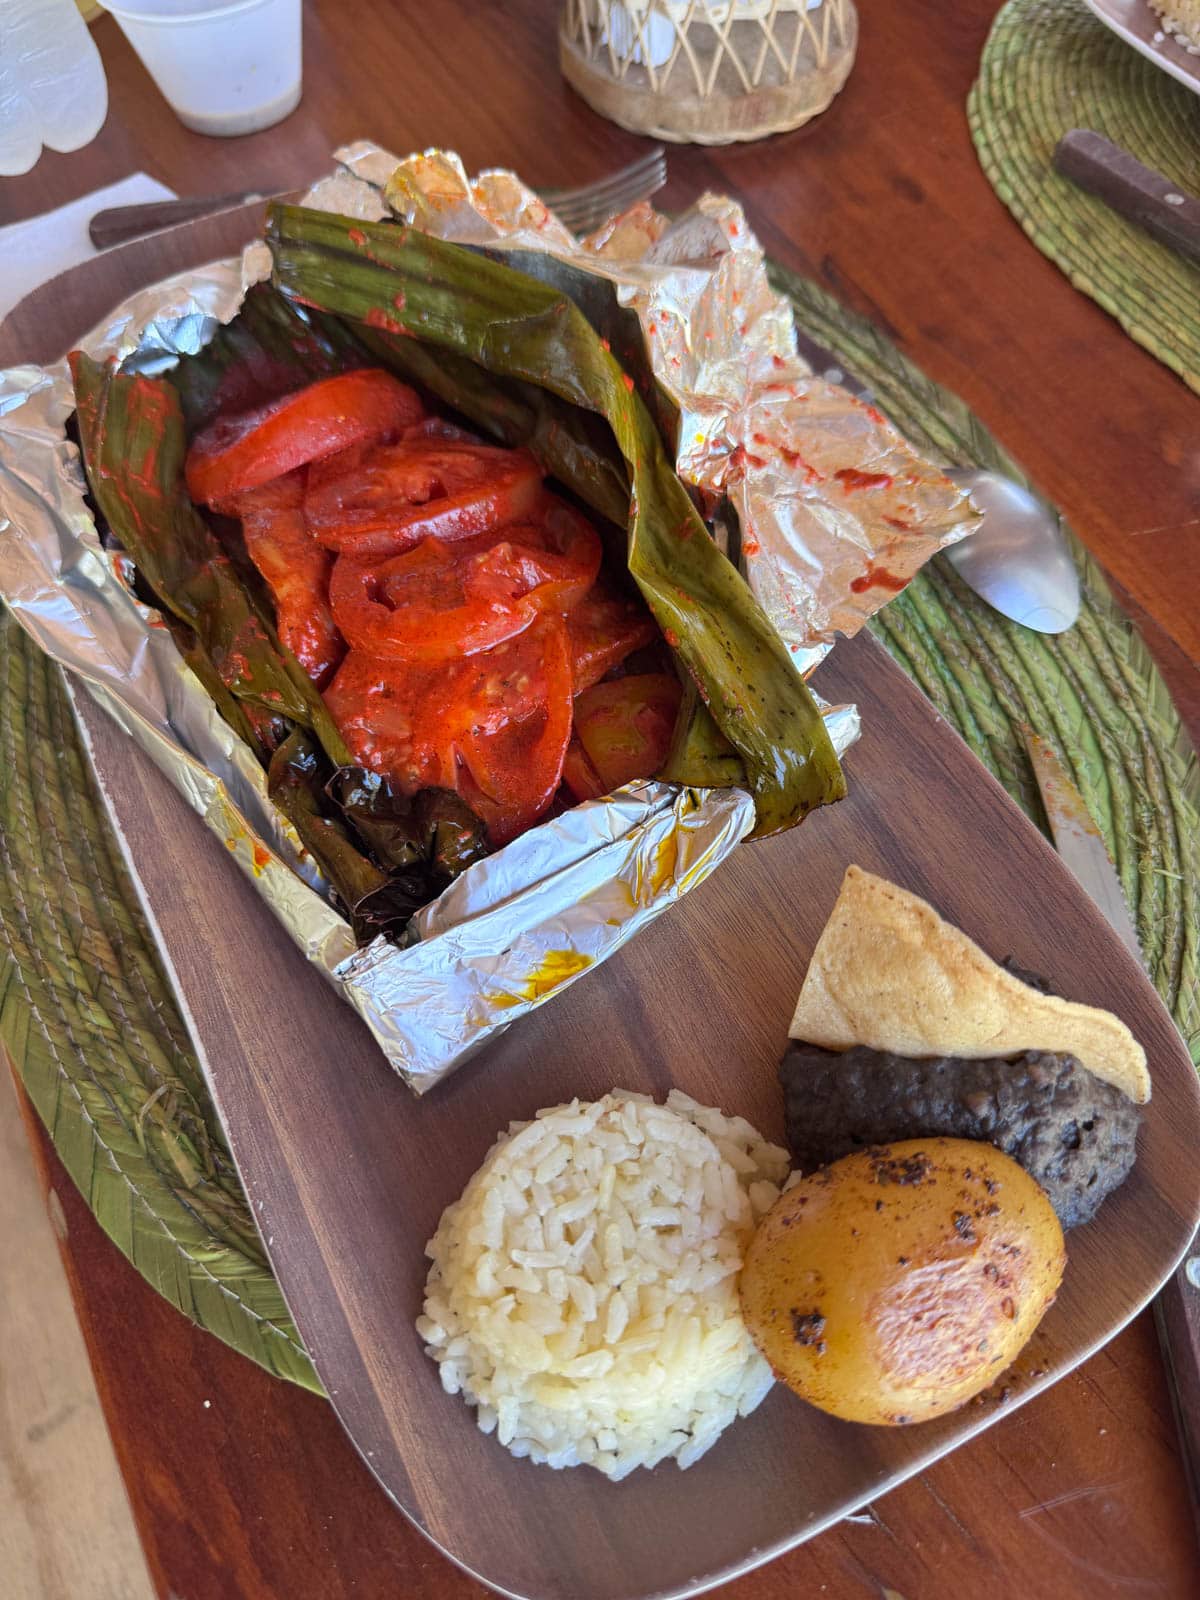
{"points": [[1018, 561]]}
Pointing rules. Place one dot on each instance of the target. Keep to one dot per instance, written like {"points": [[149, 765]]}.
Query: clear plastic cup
{"points": [[225, 66]]}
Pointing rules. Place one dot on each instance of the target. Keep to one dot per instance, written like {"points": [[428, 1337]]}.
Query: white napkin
{"points": [[33, 251]]}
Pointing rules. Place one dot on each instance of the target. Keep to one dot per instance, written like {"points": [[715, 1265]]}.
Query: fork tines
{"points": [[583, 208]]}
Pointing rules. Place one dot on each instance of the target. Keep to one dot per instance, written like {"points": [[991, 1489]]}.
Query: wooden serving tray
{"points": [[347, 1173]]}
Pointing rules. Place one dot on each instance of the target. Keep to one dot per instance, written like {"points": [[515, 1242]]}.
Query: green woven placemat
{"points": [[89, 1019], [1050, 66]]}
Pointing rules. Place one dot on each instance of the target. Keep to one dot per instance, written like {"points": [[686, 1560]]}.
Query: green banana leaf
{"points": [[418, 845], [451, 302], [132, 436], [573, 446], [269, 348], [131, 433]]}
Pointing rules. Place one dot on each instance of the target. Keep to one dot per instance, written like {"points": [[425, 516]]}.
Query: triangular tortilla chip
{"points": [[889, 973]]}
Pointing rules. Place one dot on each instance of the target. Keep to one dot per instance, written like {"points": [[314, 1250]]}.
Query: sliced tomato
{"points": [[237, 453], [604, 628], [624, 729], [433, 603], [558, 552], [441, 600], [296, 569], [512, 773], [434, 427], [494, 727], [391, 498], [579, 775]]}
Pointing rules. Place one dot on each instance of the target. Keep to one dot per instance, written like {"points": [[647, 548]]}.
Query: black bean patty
{"points": [[1075, 1134]]}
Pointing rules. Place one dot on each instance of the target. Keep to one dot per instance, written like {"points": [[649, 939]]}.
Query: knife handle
{"points": [[1134, 191], [119, 224]]}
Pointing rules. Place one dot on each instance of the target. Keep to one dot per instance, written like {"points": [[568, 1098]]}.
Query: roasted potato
{"points": [[896, 1283]]}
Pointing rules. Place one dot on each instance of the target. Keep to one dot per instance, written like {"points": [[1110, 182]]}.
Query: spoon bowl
{"points": [[1019, 560]]}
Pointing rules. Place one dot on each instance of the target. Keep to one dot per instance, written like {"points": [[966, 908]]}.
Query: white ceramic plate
{"points": [[1141, 26]]}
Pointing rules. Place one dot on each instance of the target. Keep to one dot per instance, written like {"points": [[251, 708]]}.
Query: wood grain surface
{"points": [[1080, 1493]]}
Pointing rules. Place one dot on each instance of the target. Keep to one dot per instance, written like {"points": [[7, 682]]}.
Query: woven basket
{"points": [[707, 71]]}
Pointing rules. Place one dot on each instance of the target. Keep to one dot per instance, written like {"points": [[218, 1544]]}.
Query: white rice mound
{"points": [[583, 1294]]}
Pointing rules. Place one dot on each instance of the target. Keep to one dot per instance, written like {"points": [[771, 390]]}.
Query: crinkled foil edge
{"points": [[523, 924]]}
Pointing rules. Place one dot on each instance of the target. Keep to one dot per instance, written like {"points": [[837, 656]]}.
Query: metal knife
{"points": [[1078, 841], [120, 224], [1177, 1306]]}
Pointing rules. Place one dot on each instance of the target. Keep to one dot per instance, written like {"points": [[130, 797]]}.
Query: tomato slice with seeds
{"points": [[624, 729], [393, 497], [440, 600], [558, 552], [494, 726], [237, 453], [604, 628], [512, 773], [432, 603], [296, 569]]}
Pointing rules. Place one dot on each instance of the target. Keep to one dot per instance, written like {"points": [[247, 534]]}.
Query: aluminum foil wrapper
{"points": [[836, 510], [524, 923]]}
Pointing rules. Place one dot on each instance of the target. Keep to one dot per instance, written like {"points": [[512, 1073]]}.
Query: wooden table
{"points": [[244, 1487]]}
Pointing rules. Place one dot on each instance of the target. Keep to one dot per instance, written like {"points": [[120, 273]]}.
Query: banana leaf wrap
{"points": [[395, 280], [268, 349], [131, 433], [133, 441]]}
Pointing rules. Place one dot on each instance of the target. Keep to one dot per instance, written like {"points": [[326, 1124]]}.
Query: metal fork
{"points": [[587, 206], [581, 209]]}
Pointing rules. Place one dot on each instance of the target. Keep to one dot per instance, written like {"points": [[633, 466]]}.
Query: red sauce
{"points": [[795, 459], [851, 478], [778, 361], [671, 637], [627, 381], [604, 345], [750, 547], [261, 857], [898, 522], [356, 237], [877, 578], [375, 318]]}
